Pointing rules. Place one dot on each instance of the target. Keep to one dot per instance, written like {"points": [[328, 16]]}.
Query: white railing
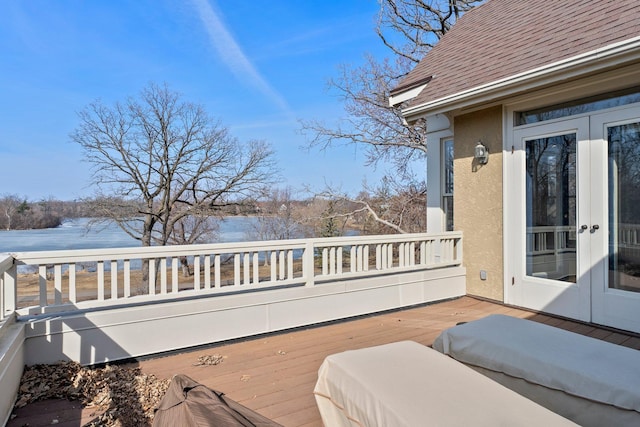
{"points": [[551, 251], [629, 234], [76, 279], [99, 306], [550, 239]]}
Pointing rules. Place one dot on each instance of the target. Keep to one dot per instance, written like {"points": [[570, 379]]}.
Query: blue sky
{"points": [[257, 65]]}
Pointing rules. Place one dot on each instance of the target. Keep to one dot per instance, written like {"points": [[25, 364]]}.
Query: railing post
{"points": [[458, 248], [308, 263], [8, 291]]}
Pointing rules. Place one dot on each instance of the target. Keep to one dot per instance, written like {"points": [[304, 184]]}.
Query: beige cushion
{"points": [[408, 384]]}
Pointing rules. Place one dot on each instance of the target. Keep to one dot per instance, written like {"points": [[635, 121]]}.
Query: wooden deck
{"points": [[275, 374]]}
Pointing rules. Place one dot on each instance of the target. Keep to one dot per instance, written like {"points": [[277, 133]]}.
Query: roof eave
{"points": [[600, 59], [406, 92]]}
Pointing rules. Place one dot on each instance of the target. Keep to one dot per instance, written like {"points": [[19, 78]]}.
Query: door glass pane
{"points": [[624, 207], [551, 207], [447, 187]]}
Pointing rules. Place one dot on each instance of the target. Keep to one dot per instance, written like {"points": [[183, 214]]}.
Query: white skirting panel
{"points": [[91, 337]]}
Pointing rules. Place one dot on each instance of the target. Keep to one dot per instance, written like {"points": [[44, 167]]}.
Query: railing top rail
{"points": [[147, 252], [63, 256], [387, 238], [545, 228]]}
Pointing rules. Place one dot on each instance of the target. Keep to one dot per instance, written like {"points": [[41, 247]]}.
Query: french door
{"points": [[574, 214]]}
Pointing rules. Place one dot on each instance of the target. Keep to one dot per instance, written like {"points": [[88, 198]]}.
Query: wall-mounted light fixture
{"points": [[481, 153]]}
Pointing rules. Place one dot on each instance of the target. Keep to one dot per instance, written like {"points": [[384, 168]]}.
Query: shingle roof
{"points": [[502, 38]]}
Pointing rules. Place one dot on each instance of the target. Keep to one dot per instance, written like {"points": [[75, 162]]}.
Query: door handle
{"points": [[584, 226], [594, 227]]}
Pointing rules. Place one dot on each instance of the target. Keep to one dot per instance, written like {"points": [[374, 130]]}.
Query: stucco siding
{"points": [[478, 200]]}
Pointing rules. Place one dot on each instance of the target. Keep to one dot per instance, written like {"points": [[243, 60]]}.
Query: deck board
{"points": [[275, 374]]}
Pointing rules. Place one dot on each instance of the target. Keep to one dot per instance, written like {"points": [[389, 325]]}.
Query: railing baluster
{"points": [[274, 264], [289, 264], [246, 267], [114, 279], [365, 258], [163, 276], [175, 268], [432, 251], [100, 280], [216, 271], [127, 278], [325, 261], [256, 268], [196, 272], [353, 259], [207, 271], [236, 270], [412, 254], [72, 283], [308, 264], [332, 260], [444, 251], [57, 284], [391, 254], [282, 265], [152, 277]]}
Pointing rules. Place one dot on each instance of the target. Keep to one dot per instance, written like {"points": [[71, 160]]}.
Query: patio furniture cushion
{"points": [[408, 384], [590, 381]]}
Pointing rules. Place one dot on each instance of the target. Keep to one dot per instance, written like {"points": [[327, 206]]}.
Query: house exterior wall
{"points": [[478, 206]]}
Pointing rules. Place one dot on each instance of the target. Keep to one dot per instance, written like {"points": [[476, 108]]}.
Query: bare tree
{"points": [[278, 218], [162, 165], [409, 28], [10, 204], [17, 213], [369, 120], [392, 207]]}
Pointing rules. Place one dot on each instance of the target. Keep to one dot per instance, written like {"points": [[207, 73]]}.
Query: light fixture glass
{"points": [[481, 153]]}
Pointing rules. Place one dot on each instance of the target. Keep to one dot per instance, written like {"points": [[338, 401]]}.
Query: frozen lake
{"points": [[73, 234]]}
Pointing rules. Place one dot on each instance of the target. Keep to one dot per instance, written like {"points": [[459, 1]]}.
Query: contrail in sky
{"points": [[232, 54]]}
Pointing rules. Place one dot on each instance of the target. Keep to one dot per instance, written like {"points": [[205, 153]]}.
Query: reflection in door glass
{"points": [[551, 207], [624, 207]]}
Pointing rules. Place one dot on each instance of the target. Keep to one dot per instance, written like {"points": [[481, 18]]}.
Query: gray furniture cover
{"points": [[188, 403]]}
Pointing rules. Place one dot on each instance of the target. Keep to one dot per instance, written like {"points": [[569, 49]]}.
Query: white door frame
{"points": [[612, 307], [539, 293]]}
